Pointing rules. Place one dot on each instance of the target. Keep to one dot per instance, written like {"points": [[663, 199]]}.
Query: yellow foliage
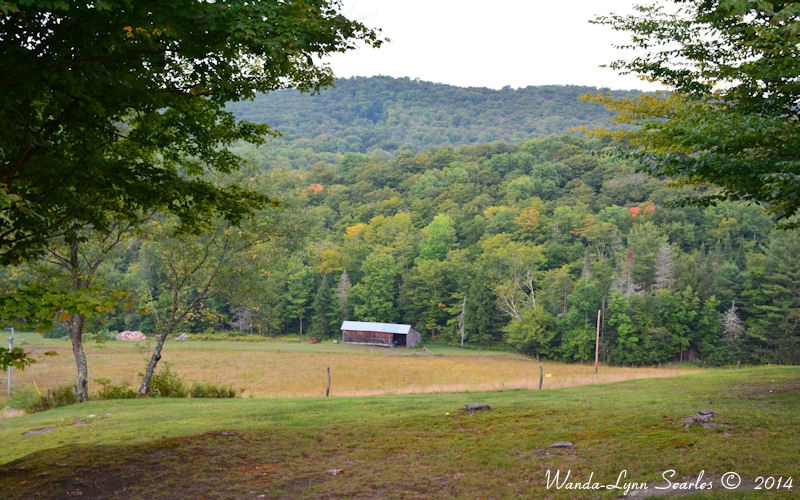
{"points": [[493, 211], [528, 219], [330, 260], [355, 229]]}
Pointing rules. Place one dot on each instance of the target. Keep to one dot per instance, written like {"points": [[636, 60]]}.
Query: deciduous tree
{"points": [[376, 293], [121, 105], [733, 119]]}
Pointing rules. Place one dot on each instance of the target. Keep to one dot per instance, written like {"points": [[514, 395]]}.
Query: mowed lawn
{"points": [[283, 369], [423, 446]]}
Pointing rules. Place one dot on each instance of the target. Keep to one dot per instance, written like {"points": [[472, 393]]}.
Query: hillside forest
{"points": [[474, 215]]}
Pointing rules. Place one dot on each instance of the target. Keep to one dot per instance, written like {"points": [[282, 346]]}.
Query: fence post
{"points": [[328, 388]]}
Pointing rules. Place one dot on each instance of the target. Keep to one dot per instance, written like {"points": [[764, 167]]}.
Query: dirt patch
{"points": [[43, 430], [766, 389], [11, 413]]}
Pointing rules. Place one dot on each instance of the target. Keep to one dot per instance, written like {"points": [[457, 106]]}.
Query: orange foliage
{"points": [[649, 207]]}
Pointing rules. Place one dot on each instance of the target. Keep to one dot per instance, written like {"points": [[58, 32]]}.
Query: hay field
{"points": [[281, 369]]}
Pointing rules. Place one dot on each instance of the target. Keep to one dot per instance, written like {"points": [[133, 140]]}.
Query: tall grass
{"points": [[280, 369]]}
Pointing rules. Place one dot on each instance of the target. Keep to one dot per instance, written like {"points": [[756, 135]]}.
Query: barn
{"points": [[381, 334]]}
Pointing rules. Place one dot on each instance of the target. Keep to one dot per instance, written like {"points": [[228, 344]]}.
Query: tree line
{"points": [[516, 245], [131, 192], [381, 115]]}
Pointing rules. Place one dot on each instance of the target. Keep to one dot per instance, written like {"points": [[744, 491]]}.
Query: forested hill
{"points": [[365, 115]]}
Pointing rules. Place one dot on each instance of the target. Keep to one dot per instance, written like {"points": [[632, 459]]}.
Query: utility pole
{"points": [[10, 368], [597, 343]]}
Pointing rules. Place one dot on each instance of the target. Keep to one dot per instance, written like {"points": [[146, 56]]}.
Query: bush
{"points": [[32, 401], [101, 336], [227, 336], [63, 396], [167, 384], [110, 391], [23, 398], [206, 390]]}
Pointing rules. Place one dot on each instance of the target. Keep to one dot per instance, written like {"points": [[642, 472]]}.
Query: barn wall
{"points": [[362, 337]]}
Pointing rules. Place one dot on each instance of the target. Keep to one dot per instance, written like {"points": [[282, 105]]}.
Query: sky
{"points": [[490, 43]]}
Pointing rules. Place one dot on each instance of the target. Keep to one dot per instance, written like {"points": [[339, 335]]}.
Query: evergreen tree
{"points": [[620, 330], [481, 319], [774, 293], [324, 312]]}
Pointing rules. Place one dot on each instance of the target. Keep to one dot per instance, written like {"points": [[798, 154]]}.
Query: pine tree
{"points": [[774, 322], [324, 311]]}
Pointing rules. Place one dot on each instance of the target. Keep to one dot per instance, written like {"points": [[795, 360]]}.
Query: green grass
{"points": [[413, 446]]}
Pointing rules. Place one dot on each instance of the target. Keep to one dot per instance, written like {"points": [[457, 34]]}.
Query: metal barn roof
{"points": [[366, 326]]}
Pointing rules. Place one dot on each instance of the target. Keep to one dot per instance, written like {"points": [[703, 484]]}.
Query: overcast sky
{"points": [[490, 43]]}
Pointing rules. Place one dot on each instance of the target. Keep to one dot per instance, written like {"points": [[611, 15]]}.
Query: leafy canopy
{"points": [[118, 106], [733, 119], [14, 358]]}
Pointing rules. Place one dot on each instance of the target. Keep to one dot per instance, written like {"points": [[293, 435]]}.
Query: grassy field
{"points": [[263, 369], [420, 445]]}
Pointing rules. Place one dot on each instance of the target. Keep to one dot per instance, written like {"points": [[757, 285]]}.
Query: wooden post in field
{"points": [[328, 388], [541, 377], [597, 343]]}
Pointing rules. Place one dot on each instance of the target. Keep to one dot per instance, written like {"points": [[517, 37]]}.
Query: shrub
{"points": [[23, 398], [207, 390], [167, 384], [227, 336], [101, 336], [32, 401], [110, 391]]}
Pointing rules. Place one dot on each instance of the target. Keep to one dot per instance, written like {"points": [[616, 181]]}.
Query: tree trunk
{"points": [[174, 320], [144, 389], [462, 331], [76, 337]]}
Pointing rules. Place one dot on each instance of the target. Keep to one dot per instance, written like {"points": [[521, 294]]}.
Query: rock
{"points": [[562, 444], [131, 336], [472, 408], [703, 417]]}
